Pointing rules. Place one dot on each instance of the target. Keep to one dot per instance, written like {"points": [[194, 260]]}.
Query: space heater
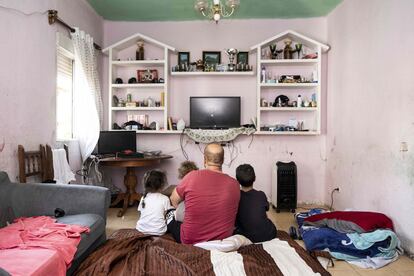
{"points": [[284, 191]]}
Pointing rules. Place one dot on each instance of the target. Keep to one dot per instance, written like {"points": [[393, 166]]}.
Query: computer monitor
{"points": [[214, 112], [111, 142]]}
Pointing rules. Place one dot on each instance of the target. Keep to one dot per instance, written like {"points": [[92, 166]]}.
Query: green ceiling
{"points": [[182, 10]]}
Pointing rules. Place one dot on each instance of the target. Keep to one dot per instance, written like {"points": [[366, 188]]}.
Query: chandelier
{"points": [[216, 9]]}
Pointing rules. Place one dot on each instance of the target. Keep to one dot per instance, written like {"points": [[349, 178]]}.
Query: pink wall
{"points": [[28, 70], [308, 152], [370, 109]]}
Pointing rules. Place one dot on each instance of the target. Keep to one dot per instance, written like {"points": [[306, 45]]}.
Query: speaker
{"points": [[286, 186]]}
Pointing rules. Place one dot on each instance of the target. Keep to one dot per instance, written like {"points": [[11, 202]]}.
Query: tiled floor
{"points": [[403, 267]]}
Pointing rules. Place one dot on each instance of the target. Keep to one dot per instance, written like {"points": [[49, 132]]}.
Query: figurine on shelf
{"points": [[140, 50], [288, 51], [200, 65], [274, 51]]}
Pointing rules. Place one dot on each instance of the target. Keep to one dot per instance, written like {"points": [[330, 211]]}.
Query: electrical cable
{"points": [[332, 199], [22, 12], [251, 141], [181, 145]]}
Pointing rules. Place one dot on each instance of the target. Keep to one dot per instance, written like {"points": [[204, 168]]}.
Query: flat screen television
{"points": [[111, 142], [214, 112]]}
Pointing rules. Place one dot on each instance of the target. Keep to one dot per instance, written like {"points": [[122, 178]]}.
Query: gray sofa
{"points": [[83, 205]]}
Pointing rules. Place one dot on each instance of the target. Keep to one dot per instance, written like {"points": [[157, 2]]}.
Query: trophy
{"points": [[231, 53]]}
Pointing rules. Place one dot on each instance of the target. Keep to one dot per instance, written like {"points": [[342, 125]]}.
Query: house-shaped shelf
{"points": [[123, 64], [271, 86]]}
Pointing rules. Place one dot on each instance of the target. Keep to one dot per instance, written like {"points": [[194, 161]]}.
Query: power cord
{"points": [[332, 199]]}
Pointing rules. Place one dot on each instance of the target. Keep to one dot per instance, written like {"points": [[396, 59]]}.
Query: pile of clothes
{"points": [[365, 239]]}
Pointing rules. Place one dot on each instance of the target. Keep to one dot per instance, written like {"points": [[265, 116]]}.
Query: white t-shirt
{"points": [[152, 219]]}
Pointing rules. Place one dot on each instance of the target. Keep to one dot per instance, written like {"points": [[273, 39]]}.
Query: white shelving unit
{"points": [[120, 63], [247, 73], [287, 67], [158, 54]]}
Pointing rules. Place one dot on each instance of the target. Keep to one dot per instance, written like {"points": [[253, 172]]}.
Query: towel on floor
{"points": [[62, 172]]}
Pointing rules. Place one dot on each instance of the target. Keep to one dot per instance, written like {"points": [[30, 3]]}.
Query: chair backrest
{"points": [[40, 163], [31, 163]]}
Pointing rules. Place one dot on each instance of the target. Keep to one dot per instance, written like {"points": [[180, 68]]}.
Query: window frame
{"points": [[64, 46]]}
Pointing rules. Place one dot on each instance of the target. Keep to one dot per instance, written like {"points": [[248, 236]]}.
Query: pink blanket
{"points": [[38, 246]]}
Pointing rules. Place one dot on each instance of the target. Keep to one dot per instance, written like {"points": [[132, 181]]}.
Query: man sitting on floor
{"points": [[211, 201]]}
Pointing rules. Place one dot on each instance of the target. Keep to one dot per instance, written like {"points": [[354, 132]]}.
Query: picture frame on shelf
{"points": [[147, 76], [183, 58], [211, 57], [243, 57]]}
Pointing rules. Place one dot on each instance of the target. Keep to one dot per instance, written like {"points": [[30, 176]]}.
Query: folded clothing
{"points": [[326, 238], [350, 221]]}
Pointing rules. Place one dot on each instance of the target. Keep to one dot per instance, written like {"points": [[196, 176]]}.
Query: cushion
{"points": [[95, 223]]}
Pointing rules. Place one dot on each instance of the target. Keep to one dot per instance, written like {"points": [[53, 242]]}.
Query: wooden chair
{"points": [[31, 163], [37, 163]]}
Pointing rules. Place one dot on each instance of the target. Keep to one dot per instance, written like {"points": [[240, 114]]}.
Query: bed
{"points": [[129, 252]]}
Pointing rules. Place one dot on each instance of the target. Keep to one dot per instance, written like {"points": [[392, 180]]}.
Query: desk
{"points": [[130, 178]]}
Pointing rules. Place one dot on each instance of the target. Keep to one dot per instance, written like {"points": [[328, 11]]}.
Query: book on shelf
{"points": [[170, 123], [162, 99]]}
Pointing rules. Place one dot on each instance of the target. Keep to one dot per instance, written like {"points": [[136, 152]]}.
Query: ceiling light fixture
{"points": [[216, 9]]}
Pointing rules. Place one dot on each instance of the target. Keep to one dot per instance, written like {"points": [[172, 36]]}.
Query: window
{"points": [[64, 95]]}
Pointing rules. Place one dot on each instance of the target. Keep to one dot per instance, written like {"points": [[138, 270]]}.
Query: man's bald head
{"points": [[214, 155]]}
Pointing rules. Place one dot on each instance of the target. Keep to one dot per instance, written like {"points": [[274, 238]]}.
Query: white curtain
{"points": [[88, 113]]}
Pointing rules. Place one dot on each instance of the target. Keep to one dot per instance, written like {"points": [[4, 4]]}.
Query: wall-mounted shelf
{"points": [[138, 108], [303, 67], [290, 61], [290, 85], [247, 73], [286, 133], [137, 85], [159, 131], [288, 108], [138, 62], [119, 66]]}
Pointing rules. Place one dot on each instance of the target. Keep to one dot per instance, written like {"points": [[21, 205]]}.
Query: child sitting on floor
{"points": [[252, 221], [185, 168], [153, 204]]}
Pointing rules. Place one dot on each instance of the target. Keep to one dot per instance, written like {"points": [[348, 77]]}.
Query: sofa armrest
{"points": [[42, 199]]}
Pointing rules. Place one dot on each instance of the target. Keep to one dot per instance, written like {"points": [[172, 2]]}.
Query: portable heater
{"points": [[284, 191]]}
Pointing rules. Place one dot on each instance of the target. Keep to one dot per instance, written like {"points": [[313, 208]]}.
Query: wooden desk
{"points": [[130, 178]]}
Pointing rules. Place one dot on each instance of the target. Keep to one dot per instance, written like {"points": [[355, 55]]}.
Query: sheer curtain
{"points": [[88, 113]]}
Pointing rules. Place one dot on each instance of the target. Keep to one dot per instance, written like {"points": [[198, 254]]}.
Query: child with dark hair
{"points": [[153, 204], [252, 221]]}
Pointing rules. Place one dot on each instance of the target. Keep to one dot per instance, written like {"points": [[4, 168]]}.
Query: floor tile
{"points": [[406, 273], [403, 264], [343, 273]]}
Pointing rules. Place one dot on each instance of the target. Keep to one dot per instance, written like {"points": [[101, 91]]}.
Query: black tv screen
{"points": [[111, 142], [214, 112]]}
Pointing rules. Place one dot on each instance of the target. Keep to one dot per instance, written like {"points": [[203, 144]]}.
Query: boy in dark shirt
{"points": [[252, 221]]}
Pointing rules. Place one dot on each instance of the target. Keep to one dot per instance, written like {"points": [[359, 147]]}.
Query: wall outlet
{"points": [[403, 147]]}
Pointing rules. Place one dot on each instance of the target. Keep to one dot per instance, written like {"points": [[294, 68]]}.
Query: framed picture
{"points": [[243, 57], [211, 57], [183, 58], [147, 76]]}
